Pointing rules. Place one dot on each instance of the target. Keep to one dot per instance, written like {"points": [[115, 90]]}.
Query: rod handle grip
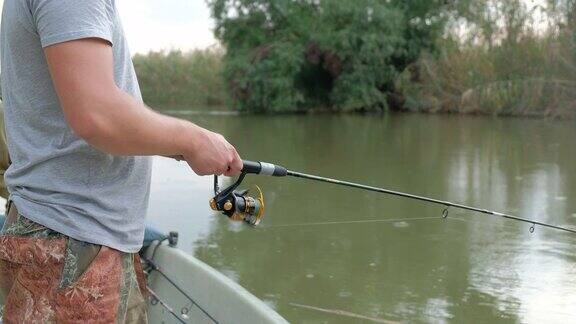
{"points": [[264, 168]]}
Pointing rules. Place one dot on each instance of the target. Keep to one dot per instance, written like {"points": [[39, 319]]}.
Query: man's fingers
{"points": [[235, 165], [221, 170], [217, 157], [232, 172]]}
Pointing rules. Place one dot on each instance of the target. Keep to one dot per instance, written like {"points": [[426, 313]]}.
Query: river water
{"points": [[401, 261]]}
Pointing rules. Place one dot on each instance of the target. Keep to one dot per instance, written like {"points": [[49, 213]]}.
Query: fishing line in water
{"points": [[368, 221]]}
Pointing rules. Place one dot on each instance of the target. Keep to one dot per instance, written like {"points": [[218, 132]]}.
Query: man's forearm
{"points": [[119, 124]]}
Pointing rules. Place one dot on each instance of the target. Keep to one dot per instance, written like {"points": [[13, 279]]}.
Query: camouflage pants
{"points": [[47, 277]]}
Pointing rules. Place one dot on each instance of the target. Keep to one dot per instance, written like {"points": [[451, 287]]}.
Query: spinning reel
{"points": [[237, 204]]}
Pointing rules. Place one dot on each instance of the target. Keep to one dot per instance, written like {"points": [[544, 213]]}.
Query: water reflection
{"points": [[416, 267]]}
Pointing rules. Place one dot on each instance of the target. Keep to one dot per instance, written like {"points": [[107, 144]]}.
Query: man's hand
{"points": [[111, 120], [209, 153]]}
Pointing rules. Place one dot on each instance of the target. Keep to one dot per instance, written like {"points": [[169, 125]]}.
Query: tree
{"points": [[297, 55]]}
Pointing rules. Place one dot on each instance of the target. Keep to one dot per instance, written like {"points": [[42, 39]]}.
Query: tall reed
{"points": [[184, 80], [516, 66]]}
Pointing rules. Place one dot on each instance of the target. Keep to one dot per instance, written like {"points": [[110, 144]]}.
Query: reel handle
{"points": [[264, 168]]}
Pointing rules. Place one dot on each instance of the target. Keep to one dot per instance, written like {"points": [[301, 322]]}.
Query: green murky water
{"points": [[413, 266]]}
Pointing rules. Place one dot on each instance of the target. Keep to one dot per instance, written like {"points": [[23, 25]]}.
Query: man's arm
{"points": [[114, 122]]}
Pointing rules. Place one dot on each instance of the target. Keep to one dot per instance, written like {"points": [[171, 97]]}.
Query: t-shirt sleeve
{"points": [[59, 21]]}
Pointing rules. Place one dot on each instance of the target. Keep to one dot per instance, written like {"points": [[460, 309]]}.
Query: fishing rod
{"points": [[151, 265], [156, 299], [185, 310], [237, 205]]}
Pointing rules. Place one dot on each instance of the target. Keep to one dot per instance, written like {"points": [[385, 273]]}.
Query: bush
{"points": [[305, 54]]}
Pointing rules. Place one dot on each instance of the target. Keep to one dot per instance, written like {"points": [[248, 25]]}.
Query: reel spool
{"points": [[237, 204]]}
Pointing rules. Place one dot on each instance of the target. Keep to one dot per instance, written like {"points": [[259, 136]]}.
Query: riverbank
{"points": [[456, 82], [530, 77]]}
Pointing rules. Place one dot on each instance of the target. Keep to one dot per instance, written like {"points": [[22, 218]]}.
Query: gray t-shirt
{"points": [[56, 178]]}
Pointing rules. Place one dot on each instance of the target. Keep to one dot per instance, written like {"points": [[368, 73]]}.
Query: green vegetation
{"points": [[338, 55], [497, 57], [512, 59], [182, 80]]}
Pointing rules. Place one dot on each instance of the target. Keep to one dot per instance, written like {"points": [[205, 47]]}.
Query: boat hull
{"points": [[219, 296]]}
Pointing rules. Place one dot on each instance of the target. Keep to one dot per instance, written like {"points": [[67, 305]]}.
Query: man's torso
{"points": [[56, 178]]}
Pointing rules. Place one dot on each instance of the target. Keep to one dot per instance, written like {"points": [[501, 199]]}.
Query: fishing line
{"points": [[368, 221]]}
